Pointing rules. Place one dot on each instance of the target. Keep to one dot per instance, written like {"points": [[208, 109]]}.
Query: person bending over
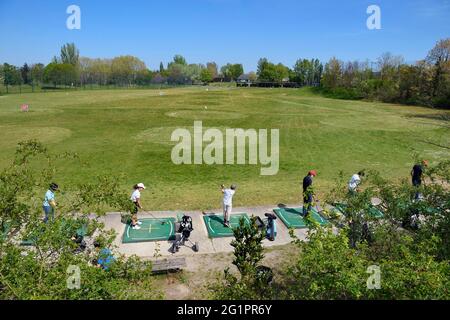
{"points": [[354, 182]]}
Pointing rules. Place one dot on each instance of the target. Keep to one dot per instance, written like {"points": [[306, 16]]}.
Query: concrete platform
{"points": [[151, 250]]}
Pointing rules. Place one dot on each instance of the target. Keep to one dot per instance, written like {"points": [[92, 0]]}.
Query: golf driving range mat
{"points": [[215, 227], [69, 228], [151, 230], [5, 230], [372, 211], [293, 217]]}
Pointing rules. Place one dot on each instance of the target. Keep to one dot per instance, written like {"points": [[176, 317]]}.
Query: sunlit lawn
{"points": [[126, 134]]}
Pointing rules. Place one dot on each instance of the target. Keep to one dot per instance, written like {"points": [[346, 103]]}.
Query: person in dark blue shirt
{"points": [[308, 193], [416, 174]]}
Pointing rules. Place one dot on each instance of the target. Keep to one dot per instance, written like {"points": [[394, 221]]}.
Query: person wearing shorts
{"points": [[136, 198], [227, 203]]}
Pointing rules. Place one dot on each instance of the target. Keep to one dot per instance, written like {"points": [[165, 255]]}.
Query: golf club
{"points": [[318, 208], [160, 220]]}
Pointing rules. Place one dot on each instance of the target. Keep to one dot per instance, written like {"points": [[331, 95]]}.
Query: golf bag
{"points": [[271, 226], [359, 232], [412, 221], [183, 231], [79, 240], [367, 233], [264, 274]]}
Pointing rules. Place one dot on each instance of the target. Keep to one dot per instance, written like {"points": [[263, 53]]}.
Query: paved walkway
{"points": [[200, 234]]}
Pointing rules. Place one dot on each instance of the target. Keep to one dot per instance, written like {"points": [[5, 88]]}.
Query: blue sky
{"points": [[238, 31]]}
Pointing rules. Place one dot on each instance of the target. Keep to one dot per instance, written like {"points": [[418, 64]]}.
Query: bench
{"points": [[166, 265]]}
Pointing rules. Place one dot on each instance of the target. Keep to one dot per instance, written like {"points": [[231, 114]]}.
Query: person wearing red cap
{"points": [[308, 193]]}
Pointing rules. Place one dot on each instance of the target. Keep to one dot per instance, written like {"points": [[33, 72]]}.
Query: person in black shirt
{"points": [[307, 192], [416, 174]]}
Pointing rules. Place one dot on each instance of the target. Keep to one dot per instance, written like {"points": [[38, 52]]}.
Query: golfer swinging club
{"points": [[227, 203], [136, 198]]}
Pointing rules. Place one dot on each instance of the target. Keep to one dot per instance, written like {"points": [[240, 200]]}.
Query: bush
{"points": [[413, 261], [42, 269], [251, 283], [330, 269]]}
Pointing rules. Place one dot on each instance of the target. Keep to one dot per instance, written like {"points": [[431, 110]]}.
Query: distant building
{"points": [[221, 78], [244, 80]]}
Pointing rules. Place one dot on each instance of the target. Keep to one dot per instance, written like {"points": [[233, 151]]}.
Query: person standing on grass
{"points": [[416, 174], [354, 182], [136, 198], [308, 193], [49, 204], [227, 203]]}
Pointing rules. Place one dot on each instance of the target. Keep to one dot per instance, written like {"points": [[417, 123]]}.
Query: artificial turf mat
{"points": [[77, 229], [293, 217], [215, 227], [372, 211], [151, 230]]}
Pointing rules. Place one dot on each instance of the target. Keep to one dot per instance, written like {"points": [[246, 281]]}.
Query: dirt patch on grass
{"points": [[203, 270], [205, 114], [11, 135]]}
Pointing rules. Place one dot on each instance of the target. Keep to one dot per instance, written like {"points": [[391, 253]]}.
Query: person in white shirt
{"points": [[227, 203], [136, 198], [354, 182]]}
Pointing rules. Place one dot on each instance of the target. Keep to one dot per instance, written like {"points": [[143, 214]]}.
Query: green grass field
{"points": [[126, 133]]}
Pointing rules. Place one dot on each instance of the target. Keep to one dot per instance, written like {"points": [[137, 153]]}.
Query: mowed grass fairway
{"points": [[126, 134]]}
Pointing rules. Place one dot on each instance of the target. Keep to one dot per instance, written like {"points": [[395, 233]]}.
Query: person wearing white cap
{"points": [[136, 198]]}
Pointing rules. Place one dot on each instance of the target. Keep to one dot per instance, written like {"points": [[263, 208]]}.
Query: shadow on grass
{"points": [[431, 116]]}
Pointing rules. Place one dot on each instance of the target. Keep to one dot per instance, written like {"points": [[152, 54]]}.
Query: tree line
{"points": [[389, 79], [70, 69], [427, 82]]}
